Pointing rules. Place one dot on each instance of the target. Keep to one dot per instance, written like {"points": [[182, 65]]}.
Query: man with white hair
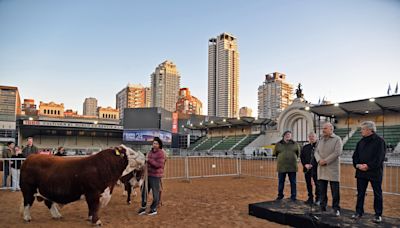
{"points": [[327, 156], [310, 168], [368, 160]]}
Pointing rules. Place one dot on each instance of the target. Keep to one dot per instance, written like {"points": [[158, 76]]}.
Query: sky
{"points": [[65, 51]]}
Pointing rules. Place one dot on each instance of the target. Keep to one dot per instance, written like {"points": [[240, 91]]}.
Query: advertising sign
{"points": [[175, 122], [146, 135]]}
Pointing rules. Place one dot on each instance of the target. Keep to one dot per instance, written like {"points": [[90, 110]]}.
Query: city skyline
{"points": [[342, 50]]}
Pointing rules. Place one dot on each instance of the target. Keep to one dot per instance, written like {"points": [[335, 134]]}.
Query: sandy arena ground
{"points": [[202, 202]]}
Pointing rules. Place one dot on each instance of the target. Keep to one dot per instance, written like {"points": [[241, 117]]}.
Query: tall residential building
{"points": [[223, 76], [132, 96], [245, 112], [90, 107], [274, 95], [165, 84], [10, 107], [188, 104]]}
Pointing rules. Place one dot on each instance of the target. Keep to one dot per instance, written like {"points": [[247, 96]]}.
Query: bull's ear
{"points": [[117, 152]]}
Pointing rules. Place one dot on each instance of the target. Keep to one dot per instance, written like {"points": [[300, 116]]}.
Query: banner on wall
{"points": [[175, 122], [146, 135]]}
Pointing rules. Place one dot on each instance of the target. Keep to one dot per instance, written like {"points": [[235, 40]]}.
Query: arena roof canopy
{"points": [[230, 122], [359, 107]]}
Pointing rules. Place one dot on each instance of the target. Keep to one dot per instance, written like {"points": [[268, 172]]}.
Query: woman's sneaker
{"points": [[377, 219], [153, 212], [142, 211], [356, 216]]}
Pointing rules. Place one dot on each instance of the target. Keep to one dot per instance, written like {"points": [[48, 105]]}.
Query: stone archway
{"points": [[297, 120]]}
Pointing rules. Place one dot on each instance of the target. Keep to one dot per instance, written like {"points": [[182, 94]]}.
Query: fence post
{"points": [[187, 168], [238, 165], [397, 180]]}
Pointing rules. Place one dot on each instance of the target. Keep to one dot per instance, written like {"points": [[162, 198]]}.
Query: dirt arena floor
{"points": [[202, 202]]}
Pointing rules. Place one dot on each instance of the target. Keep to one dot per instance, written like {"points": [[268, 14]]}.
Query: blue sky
{"points": [[64, 51]]}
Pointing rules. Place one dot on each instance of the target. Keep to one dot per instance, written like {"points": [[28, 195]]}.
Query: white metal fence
{"points": [[188, 167], [10, 173]]}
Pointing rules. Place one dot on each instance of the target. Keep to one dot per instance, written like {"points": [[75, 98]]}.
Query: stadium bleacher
{"points": [[245, 142], [209, 143], [239, 142], [198, 142], [229, 142], [341, 132], [391, 136]]}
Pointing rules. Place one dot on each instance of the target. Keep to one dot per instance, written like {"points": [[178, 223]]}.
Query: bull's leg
{"points": [[134, 191], [128, 189], [28, 194], [93, 202], [53, 209]]}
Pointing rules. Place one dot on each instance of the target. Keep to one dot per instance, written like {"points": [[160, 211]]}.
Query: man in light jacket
{"points": [[327, 156]]}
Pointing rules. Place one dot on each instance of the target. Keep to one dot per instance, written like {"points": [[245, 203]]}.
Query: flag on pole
{"points": [[389, 90], [397, 88]]}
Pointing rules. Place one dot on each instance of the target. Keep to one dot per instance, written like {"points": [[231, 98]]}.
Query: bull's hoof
{"points": [[129, 202], [98, 223], [89, 218], [57, 218], [27, 218]]}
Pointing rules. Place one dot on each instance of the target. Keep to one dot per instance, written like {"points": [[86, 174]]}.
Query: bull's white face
{"points": [[136, 160]]}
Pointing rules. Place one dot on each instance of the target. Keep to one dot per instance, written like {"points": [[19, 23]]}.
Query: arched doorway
{"points": [[297, 120]]}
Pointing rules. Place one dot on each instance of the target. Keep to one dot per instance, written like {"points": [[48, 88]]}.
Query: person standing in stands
{"points": [[368, 159], [327, 154], [310, 168], [15, 169], [7, 153], [30, 148], [287, 151]]}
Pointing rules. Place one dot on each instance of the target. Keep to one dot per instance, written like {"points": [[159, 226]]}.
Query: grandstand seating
{"points": [[223, 142], [341, 132], [198, 142], [245, 142], [352, 141], [392, 136], [209, 143], [229, 142]]}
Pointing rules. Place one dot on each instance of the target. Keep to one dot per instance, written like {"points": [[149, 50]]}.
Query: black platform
{"points": [[298, 214]]}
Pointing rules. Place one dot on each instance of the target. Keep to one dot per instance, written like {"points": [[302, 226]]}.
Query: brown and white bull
{"points": [[131, 181], [60, 180]]}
